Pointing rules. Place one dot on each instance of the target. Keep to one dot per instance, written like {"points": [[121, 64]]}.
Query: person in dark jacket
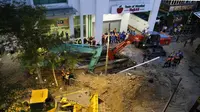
{"points": [[85, 41]]}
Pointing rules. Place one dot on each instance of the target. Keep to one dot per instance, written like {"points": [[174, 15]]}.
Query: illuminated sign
{"points": [[180, 8], [120, 9]]}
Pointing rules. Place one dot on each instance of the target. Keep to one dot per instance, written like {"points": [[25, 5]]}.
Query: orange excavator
{"points": [[119, 47], [154, 39]]}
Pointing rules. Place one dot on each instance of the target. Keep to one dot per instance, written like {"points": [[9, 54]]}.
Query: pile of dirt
{"points": [[127, 93]]}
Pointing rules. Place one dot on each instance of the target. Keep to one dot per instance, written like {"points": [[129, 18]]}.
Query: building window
{"points": [[77, 31], [39, 2]]}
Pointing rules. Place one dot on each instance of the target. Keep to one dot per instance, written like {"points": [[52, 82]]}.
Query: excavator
{"points": [[42, 101], [81, 48], [119, 47], [153, 39]]}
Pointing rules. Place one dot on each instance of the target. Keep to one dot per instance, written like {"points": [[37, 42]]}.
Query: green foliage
{"points": [[31, 28]]}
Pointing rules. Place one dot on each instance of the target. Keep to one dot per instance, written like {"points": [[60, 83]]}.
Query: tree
{"points": [[30, 26], [32, 32]]}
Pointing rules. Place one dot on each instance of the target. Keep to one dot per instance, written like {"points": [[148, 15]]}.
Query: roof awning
{"points": [[60, 12], [197, 14]]}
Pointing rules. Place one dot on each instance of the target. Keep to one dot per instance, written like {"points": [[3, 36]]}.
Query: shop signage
{"points": [[164, 7], [60, 22], [180, 8], [129, 8]]}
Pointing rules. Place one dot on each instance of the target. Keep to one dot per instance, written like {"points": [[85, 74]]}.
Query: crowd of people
{"points": [[173, 59], [90, 41], [116, 37]]}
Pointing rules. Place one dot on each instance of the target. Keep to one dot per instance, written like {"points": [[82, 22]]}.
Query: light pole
{"points": [[108, 38]]}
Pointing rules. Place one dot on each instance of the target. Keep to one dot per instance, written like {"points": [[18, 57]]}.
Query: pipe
{"points": [[167, 104], [139, 65]]}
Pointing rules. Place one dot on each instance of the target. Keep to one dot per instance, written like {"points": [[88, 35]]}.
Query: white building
{"points": [[93, 16]]}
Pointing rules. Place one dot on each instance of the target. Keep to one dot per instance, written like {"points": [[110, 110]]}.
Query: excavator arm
{"points": [[95, 50], [119, 47]]}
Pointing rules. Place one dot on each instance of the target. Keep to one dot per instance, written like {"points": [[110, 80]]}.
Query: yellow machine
{"points": [[42, 101], [94, 103], [93, 107]]}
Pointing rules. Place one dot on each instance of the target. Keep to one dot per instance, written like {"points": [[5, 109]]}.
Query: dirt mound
{"points": [[127, 93]]}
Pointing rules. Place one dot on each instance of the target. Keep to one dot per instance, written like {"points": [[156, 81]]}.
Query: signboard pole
{"points": [[108, 44]]}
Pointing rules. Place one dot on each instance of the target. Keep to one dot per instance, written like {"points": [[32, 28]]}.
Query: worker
{"points": [[133, 33], [192, 40], [168, 62], [66, 78], [63, 75], [112, 38], [197, 49], [85, 40], [67, 35], [117, 37], [175, 60], [172, 54], [124, 35], [175, 30], [145, 31], [79, 41], [121, 36], [114, 31], [164, 29], [103, 39], [89, 41], [185, 43], [93, 42], [180, 28], [180, 54], [71, 77]]}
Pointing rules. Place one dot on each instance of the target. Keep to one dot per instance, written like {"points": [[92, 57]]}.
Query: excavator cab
{"points": [[152, 40]]}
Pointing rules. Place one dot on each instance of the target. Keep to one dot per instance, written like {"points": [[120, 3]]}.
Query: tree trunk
{"points": [[39, 75], [54, 75]]}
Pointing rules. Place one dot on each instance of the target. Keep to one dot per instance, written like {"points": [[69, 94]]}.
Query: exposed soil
{"points": [[127, 93]]}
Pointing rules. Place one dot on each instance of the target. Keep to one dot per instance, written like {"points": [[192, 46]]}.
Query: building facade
{"points": [[92, 17], [178, 8]]}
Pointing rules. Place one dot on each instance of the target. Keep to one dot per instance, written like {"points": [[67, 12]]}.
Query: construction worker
{"points": [[172, 54], [63, 74], [66, 78], [197, 49], [168, 62], [71, 77], [180, 54], [185, 43], [175, 60]]}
